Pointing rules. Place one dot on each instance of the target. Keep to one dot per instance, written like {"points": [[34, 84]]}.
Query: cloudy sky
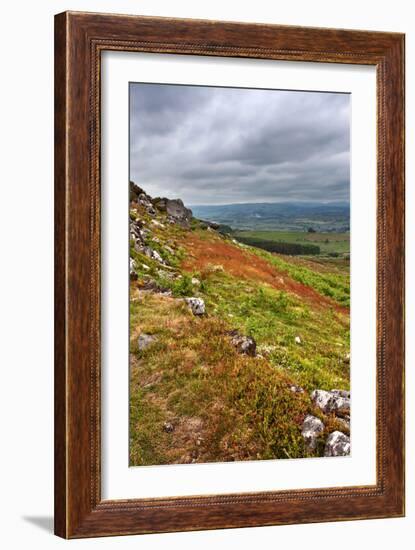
{"points": [[226, 145]]}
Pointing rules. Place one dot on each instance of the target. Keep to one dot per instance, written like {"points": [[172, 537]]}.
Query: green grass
{"points": [[333, 284], [329, 243], [243, 404], [274, 318]]}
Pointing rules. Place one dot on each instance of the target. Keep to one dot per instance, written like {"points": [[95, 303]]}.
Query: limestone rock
{"points": [[153, 254], [296, 389], [197, 305], [341, 393], [243, 344], [145, 340], [135, 191], [335, 401], [160, 203], [133, 265], [176, 209], [322, 398], [157, 224], [337, 444], [312, 428]]}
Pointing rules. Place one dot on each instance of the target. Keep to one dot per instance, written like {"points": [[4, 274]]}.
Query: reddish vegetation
{"points": [[245, 264]]}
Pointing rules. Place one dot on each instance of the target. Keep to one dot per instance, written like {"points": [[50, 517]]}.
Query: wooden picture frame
{"points": [[79, 40]]}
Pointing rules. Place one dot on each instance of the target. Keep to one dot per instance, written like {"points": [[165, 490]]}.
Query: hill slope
{"points": [[230, 373]]}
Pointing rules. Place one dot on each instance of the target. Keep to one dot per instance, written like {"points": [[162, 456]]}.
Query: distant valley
{"points": [[292, 216]]}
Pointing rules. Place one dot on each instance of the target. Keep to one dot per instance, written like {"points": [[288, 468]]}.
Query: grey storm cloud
{"points": [[211, 145]]}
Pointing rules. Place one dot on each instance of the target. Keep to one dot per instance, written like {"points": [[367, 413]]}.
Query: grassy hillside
{"points": [[193, 396]]}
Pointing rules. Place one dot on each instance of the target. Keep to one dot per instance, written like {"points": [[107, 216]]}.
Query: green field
{"points": [[329, 243]]}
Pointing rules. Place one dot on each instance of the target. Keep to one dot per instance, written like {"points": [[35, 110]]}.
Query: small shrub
{"points": [[183, 286]]}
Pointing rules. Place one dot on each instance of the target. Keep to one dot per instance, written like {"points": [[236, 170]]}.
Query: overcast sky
{"points": [[226, 145]]}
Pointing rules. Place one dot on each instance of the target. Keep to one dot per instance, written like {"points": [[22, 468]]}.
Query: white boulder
{"points": [[133, 265], [197, 305], [337, 444], [335, 401], [312, 428]]}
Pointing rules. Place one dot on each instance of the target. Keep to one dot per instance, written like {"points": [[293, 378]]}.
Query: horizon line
{"points": [[344, 201]]}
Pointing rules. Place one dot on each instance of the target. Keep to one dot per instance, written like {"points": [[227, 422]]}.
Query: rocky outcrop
{"points": [[153, 254], [138, 234], [140, 197], [312, 428], [197, 305], [145, 200], [175, 210], [135, 192], [160, 203], [341, 393], [337, 444], [322, 398], [334, 401]]}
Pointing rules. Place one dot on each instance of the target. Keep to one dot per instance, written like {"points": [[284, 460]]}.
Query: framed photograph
{"points": [[229, 275]]}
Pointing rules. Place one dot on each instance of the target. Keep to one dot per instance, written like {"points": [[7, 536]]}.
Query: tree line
{"points": [[292, 249]]}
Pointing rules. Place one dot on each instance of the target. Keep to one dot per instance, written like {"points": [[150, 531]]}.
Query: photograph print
{"points": [[239, 267]]}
